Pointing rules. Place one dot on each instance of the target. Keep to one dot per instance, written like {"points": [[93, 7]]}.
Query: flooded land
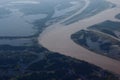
{"points": [[41, 40]]}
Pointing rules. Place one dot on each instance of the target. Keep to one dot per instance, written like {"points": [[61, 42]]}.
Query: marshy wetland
{"points": [[36, 43]]}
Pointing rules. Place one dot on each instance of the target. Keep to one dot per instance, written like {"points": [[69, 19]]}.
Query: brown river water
{"points": [[57, 38]]}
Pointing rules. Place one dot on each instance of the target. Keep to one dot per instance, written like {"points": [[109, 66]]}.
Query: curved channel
{"points": [[57, 38]]}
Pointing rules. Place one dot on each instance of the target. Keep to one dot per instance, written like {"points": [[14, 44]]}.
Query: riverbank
{"points": [[57, 38]]}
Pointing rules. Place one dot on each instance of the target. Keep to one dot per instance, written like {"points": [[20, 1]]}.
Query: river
{"points": [[57, 38]]}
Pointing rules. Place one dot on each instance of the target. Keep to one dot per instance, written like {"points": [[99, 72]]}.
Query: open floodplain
{"points": [[38, 39]]}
